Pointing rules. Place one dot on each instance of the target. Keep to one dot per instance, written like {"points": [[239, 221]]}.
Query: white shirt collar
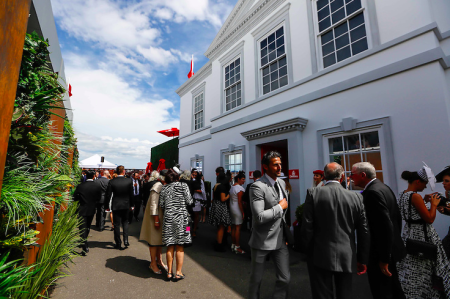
{"points": [[89, 180], [369, 183], [120, 175], [332, 181], [271, 180]]}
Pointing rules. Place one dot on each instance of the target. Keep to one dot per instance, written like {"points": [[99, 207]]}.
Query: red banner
{"points": [[294, 174]]}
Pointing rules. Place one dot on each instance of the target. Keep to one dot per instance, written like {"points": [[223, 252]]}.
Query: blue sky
{"points": [[124, 60]]}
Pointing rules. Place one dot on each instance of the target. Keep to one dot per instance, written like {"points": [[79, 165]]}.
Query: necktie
{"points": [[135, 188], [277, 188]]}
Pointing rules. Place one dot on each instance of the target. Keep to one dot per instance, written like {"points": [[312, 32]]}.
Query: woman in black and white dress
{"points": [[415, 273], [174, 198], [220, 212]]}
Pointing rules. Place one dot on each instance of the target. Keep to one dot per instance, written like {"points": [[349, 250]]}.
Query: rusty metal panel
{"points": [[13, 27]]}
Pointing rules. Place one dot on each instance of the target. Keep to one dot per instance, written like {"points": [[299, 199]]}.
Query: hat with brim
{"points": [[318, 171], [440, 175]]}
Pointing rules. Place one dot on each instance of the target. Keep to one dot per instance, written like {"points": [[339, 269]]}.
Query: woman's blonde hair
{"points": [[186, 175], [154, 176]]}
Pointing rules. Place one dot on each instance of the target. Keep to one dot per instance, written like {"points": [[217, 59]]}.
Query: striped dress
{"points": [[173, 200]]}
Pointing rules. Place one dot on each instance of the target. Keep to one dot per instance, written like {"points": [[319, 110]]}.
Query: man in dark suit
{"points": [[137, 198], [103, 182], [87, 194], [385, 225], [246, 202], [121, 189], [268, 204], [331, 216]]}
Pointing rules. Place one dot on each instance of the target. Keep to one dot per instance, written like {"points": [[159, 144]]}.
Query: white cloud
{"points": [[114, 118], [106, 22], [158, 56]]}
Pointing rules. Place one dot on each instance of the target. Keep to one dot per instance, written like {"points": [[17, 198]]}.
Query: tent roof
{"points": [[95, 162]]}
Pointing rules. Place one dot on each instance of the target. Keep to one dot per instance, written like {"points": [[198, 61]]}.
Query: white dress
{"points": [[236, 214]]}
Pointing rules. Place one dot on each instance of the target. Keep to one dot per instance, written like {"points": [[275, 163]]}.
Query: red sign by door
{"points": [[294, 174], [250, 175]]}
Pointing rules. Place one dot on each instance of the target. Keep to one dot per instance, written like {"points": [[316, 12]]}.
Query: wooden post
{"points": [[13, 27]]}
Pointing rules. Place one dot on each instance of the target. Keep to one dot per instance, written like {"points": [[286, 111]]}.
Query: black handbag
{"points": [[288, 237], [423, 249]]}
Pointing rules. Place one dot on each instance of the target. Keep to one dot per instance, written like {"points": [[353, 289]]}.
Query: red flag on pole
{"points": [[191, 73], [70, 90]]}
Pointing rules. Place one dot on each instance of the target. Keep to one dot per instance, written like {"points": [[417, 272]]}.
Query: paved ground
{"points": [[109, 273]]}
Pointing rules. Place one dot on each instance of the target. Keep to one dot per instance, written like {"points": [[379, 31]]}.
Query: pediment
{"points": [[240, 10]]}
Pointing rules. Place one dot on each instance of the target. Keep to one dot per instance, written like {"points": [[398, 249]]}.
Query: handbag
{"points": [[423, 249], [288, 237]]}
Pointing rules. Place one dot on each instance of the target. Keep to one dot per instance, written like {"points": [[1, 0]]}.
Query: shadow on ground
{"points": [[234, 270]]}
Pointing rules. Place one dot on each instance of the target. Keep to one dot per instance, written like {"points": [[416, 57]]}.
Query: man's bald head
{"points": [[106, 173], [333, 171]]}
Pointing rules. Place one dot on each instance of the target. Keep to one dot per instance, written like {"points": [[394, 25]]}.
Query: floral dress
{"points": [[415, 272]]}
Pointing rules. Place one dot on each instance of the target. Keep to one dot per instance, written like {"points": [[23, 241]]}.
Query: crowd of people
{"points": [[342, 231]]}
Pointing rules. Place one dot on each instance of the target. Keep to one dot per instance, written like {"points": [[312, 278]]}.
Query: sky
{"points": [[124, 60]]}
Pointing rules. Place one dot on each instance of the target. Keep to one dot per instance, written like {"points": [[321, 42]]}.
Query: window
{"points": [[233, 85], [353, 148], [273, 61], [342, 29], [198, 164], [233, 162], [198, 111]]}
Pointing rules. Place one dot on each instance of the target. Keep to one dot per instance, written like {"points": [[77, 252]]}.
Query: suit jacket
{"points": [[385, 223], [121, 188], [331, 217], [88, 194], [267, 215], [103, 183]]}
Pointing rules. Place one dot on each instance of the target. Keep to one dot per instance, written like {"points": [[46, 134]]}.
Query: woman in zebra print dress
{"points": [[174, 198], [415, 272]]}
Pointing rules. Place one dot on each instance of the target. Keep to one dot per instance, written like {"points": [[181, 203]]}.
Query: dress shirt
{"points": [[136, 188], [332, 181], [273, 182], [89, 180], [369, 183]]}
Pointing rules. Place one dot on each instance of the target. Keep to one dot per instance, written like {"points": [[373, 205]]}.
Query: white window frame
{"points": [[285, 55], [234, 153], [231, 85], [198, 91], [318, 34], [381, 139], [197, 159]]}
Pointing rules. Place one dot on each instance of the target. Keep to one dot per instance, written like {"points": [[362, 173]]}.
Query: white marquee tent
{"points": [[95, 162]]}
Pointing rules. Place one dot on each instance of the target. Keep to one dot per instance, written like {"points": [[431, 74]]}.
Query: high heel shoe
{"points": [[163, 267], [238, 250], [156, 272]]}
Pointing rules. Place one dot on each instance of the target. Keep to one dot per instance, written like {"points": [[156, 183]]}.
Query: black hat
{"points": [[440, 175]]}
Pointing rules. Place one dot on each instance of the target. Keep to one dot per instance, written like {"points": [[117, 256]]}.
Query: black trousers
{"points": [[280, 259], [120, 218], [322, 283], [382, 286], [100, 216], [137, 202], [85, 228]]}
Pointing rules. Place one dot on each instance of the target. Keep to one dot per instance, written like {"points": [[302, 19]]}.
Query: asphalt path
{"points": [[109, 273]]}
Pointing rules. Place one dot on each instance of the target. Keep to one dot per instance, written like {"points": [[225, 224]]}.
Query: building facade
{"points": [[42, 22], [321, 81]]}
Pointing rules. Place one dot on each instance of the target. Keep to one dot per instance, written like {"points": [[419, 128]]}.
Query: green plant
{"points": [[299, 212], [55, 254], [12, 276]]}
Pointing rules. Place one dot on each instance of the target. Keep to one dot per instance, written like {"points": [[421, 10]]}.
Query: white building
{"points": [[348, 81], [42, 22]]}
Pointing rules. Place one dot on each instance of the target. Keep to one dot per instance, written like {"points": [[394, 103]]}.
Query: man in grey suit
{"points": [[331, 217], [268, 204]]}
